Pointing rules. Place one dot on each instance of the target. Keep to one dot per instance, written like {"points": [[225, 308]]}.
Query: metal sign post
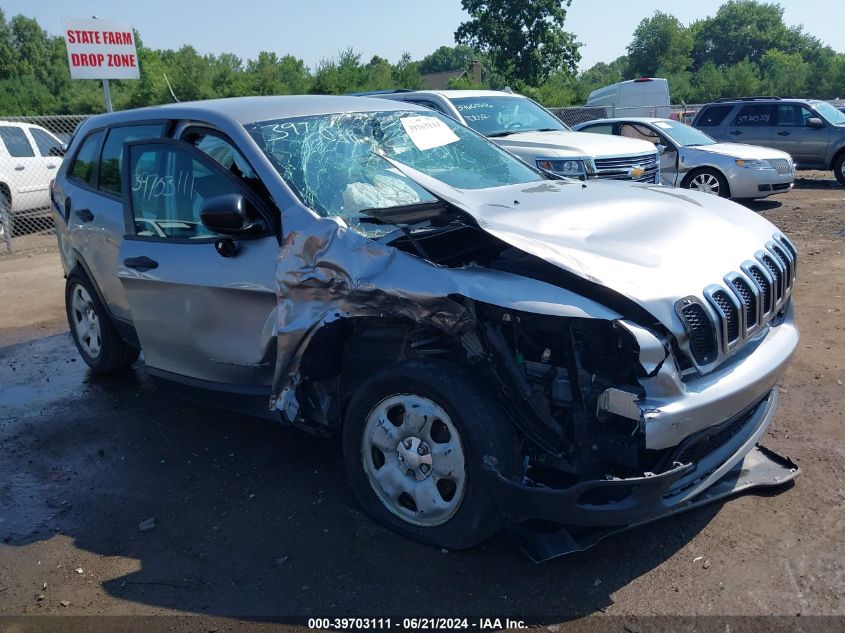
{"points": [[107, 95]]}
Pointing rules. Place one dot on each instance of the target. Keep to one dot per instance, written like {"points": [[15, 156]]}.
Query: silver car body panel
{"points": [[634, 240], [679, 160]]}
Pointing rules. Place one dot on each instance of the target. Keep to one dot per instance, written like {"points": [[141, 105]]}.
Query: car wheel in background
{"points": [[414, 439], [839, 168], [96, 338], [708, 181]]}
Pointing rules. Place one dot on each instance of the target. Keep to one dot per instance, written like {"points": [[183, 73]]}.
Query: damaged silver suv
{"points": [[493, 346]]}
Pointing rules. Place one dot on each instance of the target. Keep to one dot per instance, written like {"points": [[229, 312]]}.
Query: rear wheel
{"points": [[96, 338], [708, 181], [414, 440], [839, 168]]}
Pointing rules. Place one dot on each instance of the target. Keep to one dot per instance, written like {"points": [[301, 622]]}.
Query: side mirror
{"points": [[57, 151], [815, 121], [226, 215], [660, 148]]}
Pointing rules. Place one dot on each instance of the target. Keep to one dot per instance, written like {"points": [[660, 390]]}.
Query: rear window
{"points": [[82, 169], [713, 116], [113, 151], [756, 115], [16, 142]]}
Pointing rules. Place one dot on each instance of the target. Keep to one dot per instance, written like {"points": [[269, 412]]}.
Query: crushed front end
{"points": [[622, 427]]}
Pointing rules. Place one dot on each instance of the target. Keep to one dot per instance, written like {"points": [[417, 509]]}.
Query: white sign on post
{"points": [[101, 49]]}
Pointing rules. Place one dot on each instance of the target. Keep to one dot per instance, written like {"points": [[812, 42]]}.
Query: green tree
{"points": [[741, 80], [524, 39], [784, 73], [740, 30], [448, 58], [661, 43], [406, 73]]}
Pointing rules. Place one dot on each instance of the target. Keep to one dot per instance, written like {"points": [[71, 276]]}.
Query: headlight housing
{"points": [[571, 168], [754, 164]]}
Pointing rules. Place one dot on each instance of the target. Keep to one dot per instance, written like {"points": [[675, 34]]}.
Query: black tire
{"points": [[113, 353], [839, 168], [483, 429], [724, 190]]}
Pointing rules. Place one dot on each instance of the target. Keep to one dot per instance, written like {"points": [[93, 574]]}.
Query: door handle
{"points": [[19, 167], [140, 263], [784, 133], [51, 166], [84, 214], [735, 132]]}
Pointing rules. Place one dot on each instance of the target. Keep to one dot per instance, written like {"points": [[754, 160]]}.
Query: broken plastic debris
{"points": [[78, 570], [697, 558], [147, 524], [65, 603]]}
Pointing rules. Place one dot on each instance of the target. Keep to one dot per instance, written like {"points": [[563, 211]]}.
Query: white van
{"points": [[646, 96]]}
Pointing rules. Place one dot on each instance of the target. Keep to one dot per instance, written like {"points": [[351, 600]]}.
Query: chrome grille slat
{"points": [[744, 303], [618, 168], [781, 165]]}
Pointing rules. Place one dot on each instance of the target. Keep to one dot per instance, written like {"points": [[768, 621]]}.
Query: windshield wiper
{"points": [[509, 132]]}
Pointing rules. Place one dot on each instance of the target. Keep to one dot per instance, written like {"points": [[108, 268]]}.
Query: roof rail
{"points": [[377, 92], [760, 98]]}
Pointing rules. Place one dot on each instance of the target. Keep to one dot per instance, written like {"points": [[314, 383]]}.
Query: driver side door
{"points": [[203, 304]]}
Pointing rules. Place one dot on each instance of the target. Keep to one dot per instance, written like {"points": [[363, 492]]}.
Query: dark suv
{"points": [[812, 131]]}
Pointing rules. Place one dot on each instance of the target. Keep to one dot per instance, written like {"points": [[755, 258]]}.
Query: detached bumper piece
{"points": [[550, 522]]}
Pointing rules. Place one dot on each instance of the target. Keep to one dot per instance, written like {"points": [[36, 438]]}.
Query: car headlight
{"points": [[754, 164], [564, 167]]}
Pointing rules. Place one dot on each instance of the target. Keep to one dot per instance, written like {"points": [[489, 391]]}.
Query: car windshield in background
{"points": [[336, 162], [830, 113], [683, 134], [500, 116]]}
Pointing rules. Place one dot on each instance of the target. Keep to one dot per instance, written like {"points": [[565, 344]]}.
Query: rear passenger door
{"points": [[94, 206], [807, 145], [753, 124]]}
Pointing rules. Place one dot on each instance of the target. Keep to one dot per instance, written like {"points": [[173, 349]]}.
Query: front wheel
{"points": [[708, 181], [839, 168], [414, 440]]}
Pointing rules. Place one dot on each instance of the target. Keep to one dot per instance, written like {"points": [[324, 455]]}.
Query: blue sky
{"points": [[317, 29]]}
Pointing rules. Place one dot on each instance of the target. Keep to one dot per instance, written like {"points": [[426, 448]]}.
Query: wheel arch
{"points": [[692, 173]]}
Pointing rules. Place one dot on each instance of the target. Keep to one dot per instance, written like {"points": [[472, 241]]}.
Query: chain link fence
{"points": [[573, 115], [31, 152]]}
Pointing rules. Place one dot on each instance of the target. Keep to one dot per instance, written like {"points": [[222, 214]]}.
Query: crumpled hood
{"points": [[740, 150], [551, 144], [652, 244]]}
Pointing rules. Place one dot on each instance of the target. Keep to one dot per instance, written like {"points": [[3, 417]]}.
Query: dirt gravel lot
{"points": [[256, 521]]}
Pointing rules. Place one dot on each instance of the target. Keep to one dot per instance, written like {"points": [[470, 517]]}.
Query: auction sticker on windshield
{"points": [[428, 132]]}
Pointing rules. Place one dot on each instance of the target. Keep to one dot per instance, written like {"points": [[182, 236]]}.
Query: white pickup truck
{"points": [[529, 131]]}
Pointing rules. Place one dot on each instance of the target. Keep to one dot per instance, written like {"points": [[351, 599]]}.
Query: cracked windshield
{"points": [[336, 163]]}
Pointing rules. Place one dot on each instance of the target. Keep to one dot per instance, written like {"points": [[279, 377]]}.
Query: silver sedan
{"points": [[691, 159]]}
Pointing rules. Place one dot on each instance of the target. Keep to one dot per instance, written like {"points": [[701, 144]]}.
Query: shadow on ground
{"points": [[251, 519]]}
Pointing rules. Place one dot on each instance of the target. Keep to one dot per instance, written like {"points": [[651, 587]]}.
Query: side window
{"points": [[639, 132], [113, 152], [224, 152], [756, 115], [169, 185], [604, 128], [82, 169], [48, 145], [713, 116], [16, 142]]}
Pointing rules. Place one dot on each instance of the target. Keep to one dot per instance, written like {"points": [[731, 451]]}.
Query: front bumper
{"points": [[591, 510], [758, 183]]}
